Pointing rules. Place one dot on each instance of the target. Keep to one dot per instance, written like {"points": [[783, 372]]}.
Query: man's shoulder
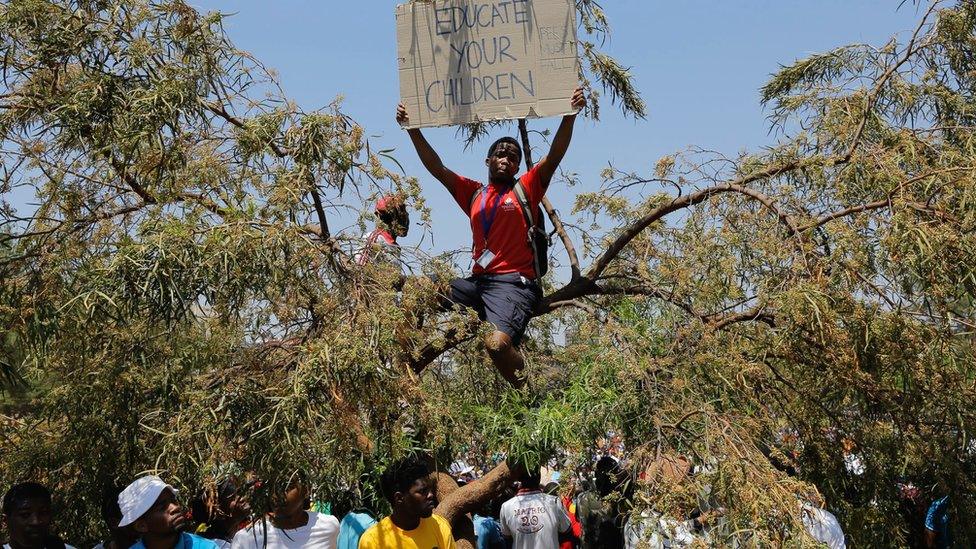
{"points": [[511, 502], [323, 520], [374, 532], [467, 182], [199, 542], [363, 520], [439, 519], [443, 527], [530, 179], [247, 537]]}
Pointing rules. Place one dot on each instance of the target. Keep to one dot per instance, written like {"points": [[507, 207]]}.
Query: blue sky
{"points": [[699, 65]]}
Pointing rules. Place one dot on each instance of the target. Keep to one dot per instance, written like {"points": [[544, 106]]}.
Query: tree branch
{"points": [[757, 313], [452, 338], [692, 199], [872, 98], [471, 497], [557, 223], [320, 212], [221, 111], [130, 180]]}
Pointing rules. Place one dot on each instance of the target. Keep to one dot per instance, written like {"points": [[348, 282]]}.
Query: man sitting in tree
{"points": [[504, 287]]}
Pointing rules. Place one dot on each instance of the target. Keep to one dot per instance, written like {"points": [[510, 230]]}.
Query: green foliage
{"points": [[177, 302]]}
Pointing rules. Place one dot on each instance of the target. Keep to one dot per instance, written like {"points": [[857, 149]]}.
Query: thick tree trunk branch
{"points": [[462, 527], [455, 502], [451, 339], [586, 285]]}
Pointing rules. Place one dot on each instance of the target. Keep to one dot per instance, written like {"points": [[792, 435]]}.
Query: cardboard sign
{"points": [[471, 61]]}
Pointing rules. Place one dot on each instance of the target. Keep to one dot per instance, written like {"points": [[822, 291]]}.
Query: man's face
{"points": [[29, 523], [238, 506], [503, 163], [164, 517], [419, 498], [291, 502]]}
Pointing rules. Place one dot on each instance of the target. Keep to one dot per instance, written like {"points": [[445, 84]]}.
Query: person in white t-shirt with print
{"points": [[290, 526], [533, 519]]}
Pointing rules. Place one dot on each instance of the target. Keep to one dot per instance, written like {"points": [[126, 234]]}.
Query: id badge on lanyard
{"points": [[487, 256]]}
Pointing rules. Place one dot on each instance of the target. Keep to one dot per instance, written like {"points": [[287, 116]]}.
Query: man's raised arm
{"points": [[560, 143], [427, 155]]}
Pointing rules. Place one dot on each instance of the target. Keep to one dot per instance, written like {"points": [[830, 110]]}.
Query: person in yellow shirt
{"points": [[412, 524]]}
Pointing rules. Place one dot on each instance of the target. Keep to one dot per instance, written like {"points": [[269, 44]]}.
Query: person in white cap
{"points": [[461, 471], [149, 507]]}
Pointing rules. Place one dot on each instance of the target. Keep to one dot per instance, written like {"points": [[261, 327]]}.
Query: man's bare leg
{"points": [[506, 358]]}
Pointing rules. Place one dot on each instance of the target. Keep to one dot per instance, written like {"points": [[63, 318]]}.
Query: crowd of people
{"points": [[547, 508]]}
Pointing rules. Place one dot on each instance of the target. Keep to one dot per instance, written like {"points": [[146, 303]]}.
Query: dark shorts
{"points": [[508, 301]]}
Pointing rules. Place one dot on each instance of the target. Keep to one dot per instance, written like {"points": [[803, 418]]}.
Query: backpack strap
{"points": [[523, 201]]}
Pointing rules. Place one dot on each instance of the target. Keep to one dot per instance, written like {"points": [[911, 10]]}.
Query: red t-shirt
{"points": [[508, 237]]}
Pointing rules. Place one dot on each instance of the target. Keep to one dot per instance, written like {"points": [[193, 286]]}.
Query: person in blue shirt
{"points": [[149, 506], [352, 527], [489, 533], [937, 524]]}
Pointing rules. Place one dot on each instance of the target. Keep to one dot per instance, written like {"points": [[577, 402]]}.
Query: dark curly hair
{"points": [[510, 140], [20, 493], [401, 475]]}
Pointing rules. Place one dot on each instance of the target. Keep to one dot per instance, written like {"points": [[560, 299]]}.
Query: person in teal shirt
{"points": [[937, 534], [352, 527]]}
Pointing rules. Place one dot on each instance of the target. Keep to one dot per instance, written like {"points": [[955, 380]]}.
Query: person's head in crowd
{"points": [[607, 475], [27, 514], [406, 485], [551, 488], [530, 479], [290, 502], [462, 472], [119, 538], [391, 210], [150, 508], [225, 510], [495, 505]]}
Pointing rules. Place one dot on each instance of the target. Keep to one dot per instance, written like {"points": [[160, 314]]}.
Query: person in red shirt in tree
{"points": [[503, 288], [392, 221]]}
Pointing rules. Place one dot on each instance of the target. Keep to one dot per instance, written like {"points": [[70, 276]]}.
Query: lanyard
{"points": [[487, 222]]}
